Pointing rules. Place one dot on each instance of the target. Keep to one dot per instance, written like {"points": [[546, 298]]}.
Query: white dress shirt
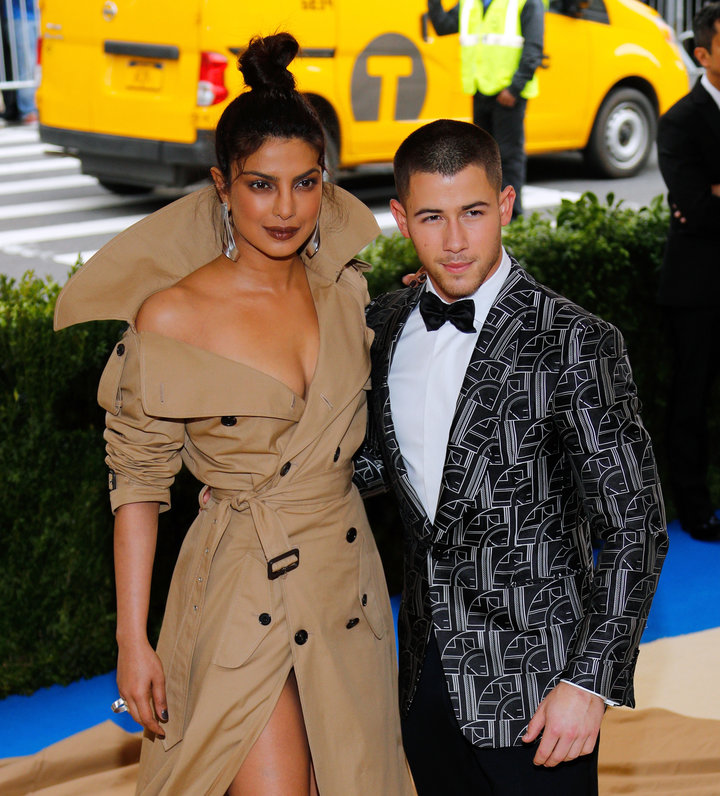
{"points": [[426, 374]]}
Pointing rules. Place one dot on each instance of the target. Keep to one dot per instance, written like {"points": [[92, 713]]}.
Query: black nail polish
{"points": [[164, 715]]}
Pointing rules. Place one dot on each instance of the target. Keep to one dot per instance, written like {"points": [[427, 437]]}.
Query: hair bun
{"points": [[264, 65]]}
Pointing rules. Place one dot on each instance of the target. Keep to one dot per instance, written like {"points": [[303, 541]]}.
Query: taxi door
{"points": [[394, 74], [559, 117]]}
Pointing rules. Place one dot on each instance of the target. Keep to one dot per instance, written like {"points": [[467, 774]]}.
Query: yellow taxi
{"points": [[134, 88]]}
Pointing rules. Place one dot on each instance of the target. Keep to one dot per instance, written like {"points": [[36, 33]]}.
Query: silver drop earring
{"points": [[230, 250], [313, 245]]}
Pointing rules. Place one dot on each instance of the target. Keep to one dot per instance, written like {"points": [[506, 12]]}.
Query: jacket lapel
{"points": [[384, 346], [708, 109], [473, 440]]}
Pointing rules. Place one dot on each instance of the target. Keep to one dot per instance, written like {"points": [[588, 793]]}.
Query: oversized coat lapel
{"points": [[474, 431], [342, 340]]}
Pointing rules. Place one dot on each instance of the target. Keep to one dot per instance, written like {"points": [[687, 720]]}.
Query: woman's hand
{"points": [[141, 683]]}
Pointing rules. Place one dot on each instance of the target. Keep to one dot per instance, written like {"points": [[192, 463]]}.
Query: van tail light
{"points": [[211, 85]]}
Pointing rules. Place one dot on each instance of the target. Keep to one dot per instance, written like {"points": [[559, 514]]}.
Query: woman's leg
{"points": [[279, 762]]}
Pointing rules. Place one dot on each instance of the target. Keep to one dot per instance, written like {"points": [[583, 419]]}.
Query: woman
{"points": [[275, 669]]}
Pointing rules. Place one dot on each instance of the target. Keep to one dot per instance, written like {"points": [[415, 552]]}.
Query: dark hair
{"points": [[704, 25], [446, 147], [272, 108]]}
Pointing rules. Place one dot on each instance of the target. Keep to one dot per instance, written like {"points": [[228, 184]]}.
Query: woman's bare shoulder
{"points": [[166, 312], [171, 311]]}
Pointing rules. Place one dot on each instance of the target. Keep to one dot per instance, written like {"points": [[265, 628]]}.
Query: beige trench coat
{"points": [[280, 570]]}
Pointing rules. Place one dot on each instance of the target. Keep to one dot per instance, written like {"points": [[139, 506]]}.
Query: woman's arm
{"points": [[140, 677]]}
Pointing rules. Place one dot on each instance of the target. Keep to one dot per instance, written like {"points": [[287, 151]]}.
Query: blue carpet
{"points": [[687, 600]]}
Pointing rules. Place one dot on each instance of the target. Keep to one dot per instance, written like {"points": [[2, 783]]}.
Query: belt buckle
{"points": [[275, 573]]}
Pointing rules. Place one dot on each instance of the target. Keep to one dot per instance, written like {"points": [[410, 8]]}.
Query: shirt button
{"points": [[285, 469], [301, 637], [337, 455], [352, 622], [351, 535], [364, 599], [228, 420], [120, 350], [264, 619]]}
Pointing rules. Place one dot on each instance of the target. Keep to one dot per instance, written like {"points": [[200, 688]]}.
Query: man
{"points": [[509, 443], [689, 158], [501, 46]]}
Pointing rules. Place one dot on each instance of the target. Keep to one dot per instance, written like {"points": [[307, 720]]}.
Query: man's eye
{"points": [[475, 213], [430, 218]]}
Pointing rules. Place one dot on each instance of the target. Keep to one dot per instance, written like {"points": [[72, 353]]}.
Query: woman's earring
{"points": [[230, 250], [313, 245]]}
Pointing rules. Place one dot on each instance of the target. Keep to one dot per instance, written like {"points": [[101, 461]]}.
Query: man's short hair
{"points": [[704, 25], [446, 147]]}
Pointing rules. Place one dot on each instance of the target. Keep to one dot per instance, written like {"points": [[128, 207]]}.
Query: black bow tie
{"points": [[435, 312]]}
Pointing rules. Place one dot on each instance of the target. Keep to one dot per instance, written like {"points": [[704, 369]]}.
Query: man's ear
{"points": [[400, 217], [702, 56], [506, 202]]}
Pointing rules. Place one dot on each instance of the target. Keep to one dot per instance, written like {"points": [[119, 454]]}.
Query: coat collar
{"points": [[707, 107], [169, 244]]}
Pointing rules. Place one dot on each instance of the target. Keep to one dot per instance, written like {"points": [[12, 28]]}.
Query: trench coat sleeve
{"points": [[143, 452], [610, 453]]}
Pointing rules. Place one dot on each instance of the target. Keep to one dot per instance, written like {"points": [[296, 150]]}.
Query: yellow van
{"points": [[135, 87]]}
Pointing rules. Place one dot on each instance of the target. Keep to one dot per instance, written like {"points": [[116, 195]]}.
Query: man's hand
{"points": [[506, 98], [715, 189], [571, 720]]}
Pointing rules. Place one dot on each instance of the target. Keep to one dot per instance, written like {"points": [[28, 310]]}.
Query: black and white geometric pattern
{"points": [[546, 451]]}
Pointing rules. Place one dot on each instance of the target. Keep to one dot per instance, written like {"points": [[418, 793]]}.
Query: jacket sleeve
{"points": [[532, 25], [687, 176], [444, 22], [611, 456], [143, 452]]}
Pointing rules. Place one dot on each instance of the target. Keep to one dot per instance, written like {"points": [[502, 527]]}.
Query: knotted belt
{"points": [[263, 504]]}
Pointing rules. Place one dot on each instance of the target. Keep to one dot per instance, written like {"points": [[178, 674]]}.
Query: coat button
{"points": [[301, 637], [285, 469], [351, 624], [364, 599], [264, 619], [120, 350], [228, 420], [337, 455], [351, 535]]}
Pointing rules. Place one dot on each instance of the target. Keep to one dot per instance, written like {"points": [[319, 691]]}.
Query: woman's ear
{"points": [[220, 183]]}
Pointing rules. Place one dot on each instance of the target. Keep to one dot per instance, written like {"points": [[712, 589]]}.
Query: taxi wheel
{"points": [[124, 189], [623, 134]]}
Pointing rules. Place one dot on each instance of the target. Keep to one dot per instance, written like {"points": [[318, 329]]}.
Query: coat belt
{"points": [[264, 502]]}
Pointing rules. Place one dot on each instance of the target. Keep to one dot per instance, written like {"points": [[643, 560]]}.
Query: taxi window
{"points": [[591, 10]]}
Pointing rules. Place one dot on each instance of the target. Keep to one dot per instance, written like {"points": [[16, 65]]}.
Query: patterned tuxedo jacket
{"points": [[546, 451]]}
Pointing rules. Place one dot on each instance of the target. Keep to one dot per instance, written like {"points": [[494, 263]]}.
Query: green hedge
{"points": [[56, 588]]}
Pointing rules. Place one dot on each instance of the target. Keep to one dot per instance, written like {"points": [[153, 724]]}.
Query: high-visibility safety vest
{"points": [[491, 43]]}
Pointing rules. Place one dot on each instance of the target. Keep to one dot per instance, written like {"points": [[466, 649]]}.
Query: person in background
{"points": [[505, 420], [20, 33], [689, 158], [501, 47]]}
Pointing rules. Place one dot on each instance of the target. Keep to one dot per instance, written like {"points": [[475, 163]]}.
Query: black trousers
{"points": [[444, 763], [507, 126], [694, 339]]}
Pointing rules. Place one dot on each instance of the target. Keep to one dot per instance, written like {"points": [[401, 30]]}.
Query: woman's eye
{"points": [[259, 185], [308, 182]]}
